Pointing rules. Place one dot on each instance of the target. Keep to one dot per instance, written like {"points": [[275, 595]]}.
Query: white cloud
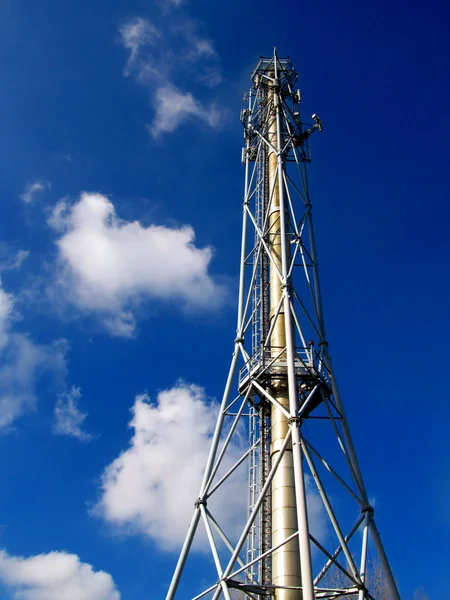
{"points": [[150, 488], [317, 517], [174, 108], [69, 418], [198, 49], [108, 265], [66, 157], [135, 35], [167, 4], [202, 48], [54, 576], [33, 189], [210, 76], [6, 307], [154, 63], [11, 262], [21, 363], [201, 53], [59, 214]]}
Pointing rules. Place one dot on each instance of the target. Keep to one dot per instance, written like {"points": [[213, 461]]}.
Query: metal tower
{"points": [[281, 389]]}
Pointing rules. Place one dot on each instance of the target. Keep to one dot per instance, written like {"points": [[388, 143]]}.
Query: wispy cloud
{"points": [[200, 51], [160, 57], [171, 3], [12, 260], [172, 108], [137, 34], [210, 76], [66, 157], [69, 419], [201, 48], [54, 576], [6, 310], [33, 189], [108, 265], [22, 361], [57, 217]]}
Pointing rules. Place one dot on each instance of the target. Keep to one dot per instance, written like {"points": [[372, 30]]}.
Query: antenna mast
{"points": [[309, 526]]}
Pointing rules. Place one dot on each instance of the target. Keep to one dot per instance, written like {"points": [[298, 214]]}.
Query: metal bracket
{"points": [[259, 590], [367, 509]]}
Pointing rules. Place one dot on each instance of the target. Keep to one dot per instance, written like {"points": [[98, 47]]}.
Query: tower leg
{"points": [[302, 517], [359, 480], [363, 566], [183, 555], [384, 561]]}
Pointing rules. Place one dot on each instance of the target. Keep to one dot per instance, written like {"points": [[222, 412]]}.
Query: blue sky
{"points": [[121, 189]]}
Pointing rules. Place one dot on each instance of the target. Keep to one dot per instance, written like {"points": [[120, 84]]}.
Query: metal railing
{"points": [[270, 362]]}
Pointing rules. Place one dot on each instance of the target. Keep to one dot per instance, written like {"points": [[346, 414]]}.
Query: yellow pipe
{"points": [[286, 560]]}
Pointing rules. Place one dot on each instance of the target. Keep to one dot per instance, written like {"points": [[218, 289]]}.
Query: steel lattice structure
{"points": [[282, 387]]}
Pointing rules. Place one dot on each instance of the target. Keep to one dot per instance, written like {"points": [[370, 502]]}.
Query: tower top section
{"points": [[270, 68], [273, 90]]}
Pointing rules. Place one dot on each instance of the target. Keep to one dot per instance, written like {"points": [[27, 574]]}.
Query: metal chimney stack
{"points": [[282, 390]]}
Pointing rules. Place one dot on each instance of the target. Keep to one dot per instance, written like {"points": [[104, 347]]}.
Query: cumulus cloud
{"points": [[154, 63], [174, 108], [107, 265], [69, 418], [150, 488], [54, 576], [33, 189], [21, 363]]}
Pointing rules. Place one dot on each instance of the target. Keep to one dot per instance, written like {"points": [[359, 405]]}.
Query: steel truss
{"points": [[289, 386]]}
